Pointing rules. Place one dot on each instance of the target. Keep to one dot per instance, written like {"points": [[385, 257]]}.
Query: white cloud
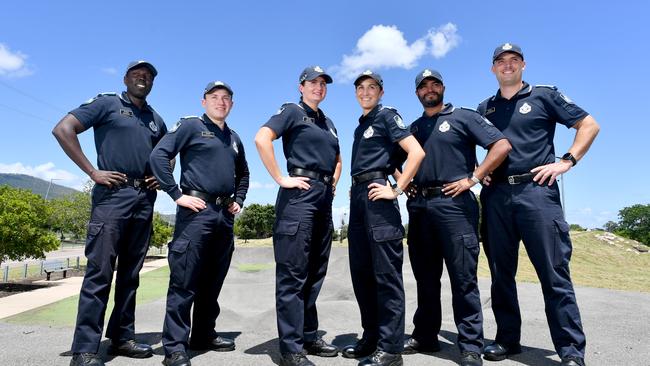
{"points": [[45, 171], [13, 64], [109, 70], [258, 185], [443, 39], [384, 47]]}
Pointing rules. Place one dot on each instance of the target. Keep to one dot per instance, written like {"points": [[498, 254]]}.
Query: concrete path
{"points": [[616, 323]]}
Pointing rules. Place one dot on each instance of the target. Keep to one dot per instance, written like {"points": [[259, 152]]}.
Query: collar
{"points": [[446, 109], [310, 111], [125, 97], [208, 122], [525, 90], [370, 115]]}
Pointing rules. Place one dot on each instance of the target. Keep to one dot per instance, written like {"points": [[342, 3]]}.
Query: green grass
{"points": [[254, 267], [153, 286]]}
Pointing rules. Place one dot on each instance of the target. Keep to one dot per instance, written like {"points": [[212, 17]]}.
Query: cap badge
{"points": [[218, 83], [368, 132], [525, 108], [506, 47], [444, 127], [426, 73], [367, 72], [318, 69]]}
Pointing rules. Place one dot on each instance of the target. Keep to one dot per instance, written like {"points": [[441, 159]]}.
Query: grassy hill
{"points": [[36, 185]]}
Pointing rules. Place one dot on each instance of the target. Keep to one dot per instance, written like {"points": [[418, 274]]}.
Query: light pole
{"points": [[50, 186]]}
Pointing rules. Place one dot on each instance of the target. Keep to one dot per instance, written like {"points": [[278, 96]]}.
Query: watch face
{"points": [[567, 156]]}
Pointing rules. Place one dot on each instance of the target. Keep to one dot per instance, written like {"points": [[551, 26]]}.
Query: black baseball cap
{"points": [[369, 74], [134, 64], [217, 84], [426, 74], [507, 47], [312, 72]]}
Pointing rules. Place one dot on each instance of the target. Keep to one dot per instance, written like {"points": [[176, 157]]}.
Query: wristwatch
{"points": [[569, 156], [397, 189], [475, 179]]}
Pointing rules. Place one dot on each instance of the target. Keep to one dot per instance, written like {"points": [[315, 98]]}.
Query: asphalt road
{"points": [[616, 323]]}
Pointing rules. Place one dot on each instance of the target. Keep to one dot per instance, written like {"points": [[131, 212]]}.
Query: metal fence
{"points": [[32, 269]]}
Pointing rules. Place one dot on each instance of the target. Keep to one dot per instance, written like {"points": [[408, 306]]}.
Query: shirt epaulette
{"points": [[388, 107], [469, 109], [547, 86], [105, 94], [188, 117]]}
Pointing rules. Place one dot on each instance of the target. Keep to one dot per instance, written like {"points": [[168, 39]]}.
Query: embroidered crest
{"points": [[153, 127], [426, 73], [333, 133], [368, 132], [444, 126], [525, 108], [367, 72], [506, 47], [318, 69], [234, 147], [399, 122]]}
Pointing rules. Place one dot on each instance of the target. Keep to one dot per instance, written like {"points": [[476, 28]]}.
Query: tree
{"points": [[24, 219], [610, 226], [576, 227], [635, 223], [71, 214], [162, 231], [255, 222]]}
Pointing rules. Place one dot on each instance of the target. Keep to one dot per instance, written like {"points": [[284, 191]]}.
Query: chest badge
{"points": [[490, 111], [525, 108], [444, 126], [208, 134], [126, 112], [153, 127], [333, 133], [234, 147], [368, 132]]}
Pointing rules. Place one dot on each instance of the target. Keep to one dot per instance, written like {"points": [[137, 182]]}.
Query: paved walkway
{"points": [[616, 323]]}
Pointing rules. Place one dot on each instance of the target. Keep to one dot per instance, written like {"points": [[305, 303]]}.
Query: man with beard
{"points": [[213, 187], [126, 130], [522, 203], [443, 216]]}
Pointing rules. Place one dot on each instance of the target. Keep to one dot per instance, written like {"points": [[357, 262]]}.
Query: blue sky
{"points": [[55, 55]]}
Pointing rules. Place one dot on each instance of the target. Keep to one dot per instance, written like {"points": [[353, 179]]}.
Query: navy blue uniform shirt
{"points": [[212, 160], [376, 141], [124, 133], [528, 121], [449, 140], [309, 138]]}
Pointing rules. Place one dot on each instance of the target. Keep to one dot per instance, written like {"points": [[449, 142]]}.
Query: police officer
{"points": [[443, 216], [375, 230], [126, 130], [213, 187], [522, 202], [302, 233]]}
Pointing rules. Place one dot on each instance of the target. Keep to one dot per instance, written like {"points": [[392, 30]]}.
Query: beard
{"points": [[431, 102]]}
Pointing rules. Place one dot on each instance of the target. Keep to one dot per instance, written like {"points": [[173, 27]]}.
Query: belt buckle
{"points": [[137, 183], [218, 200], [511, 180]]}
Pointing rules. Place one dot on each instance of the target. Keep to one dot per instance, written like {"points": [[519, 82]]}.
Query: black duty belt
{"points": [[300, 172], [516, 179], [219, 200], [135, 183], [360, 178]]}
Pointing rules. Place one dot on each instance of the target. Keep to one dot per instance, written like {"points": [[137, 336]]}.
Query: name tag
{"points": [[207, 134], [126, 112]]}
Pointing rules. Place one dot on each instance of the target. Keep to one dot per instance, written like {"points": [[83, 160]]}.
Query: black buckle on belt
{"points": [[135, 182], [224, 201], [521, 178], [311, 174], [360, 178], [428, 192]]}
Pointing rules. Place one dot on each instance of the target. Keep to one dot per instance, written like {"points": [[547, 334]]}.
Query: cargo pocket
{"points": [[562, 249], [469, 256], [94, 229], [178, 261], [289, 247], [387, 247]]}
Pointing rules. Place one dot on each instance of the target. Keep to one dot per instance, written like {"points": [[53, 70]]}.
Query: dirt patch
{"points": [[12, 288]]}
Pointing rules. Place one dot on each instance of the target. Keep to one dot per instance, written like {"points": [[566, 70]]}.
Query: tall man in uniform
{"points": [[213, 187], [522, 202], [126, 130], [443, 216]]}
